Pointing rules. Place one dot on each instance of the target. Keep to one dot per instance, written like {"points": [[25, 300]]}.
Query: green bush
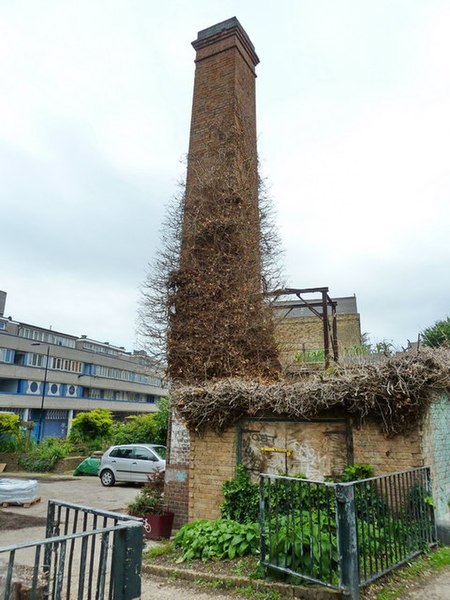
{"points": [[43, 457], [135, 430], [92, 430], [223, 538], [241, 498]]}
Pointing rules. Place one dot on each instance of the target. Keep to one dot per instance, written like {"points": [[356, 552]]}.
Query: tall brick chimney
{"points": [[218, 326], [224, 90]]}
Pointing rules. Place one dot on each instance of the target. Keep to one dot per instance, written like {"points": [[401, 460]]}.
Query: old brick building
{"points": [[299, 331]]}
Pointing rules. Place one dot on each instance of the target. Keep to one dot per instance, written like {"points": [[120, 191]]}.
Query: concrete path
{"points": [[437, 587], [161, 589], [80, 490]]}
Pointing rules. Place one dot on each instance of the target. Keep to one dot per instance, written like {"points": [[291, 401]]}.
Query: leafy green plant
{"points": [[241, 498], [306, 542], [309, 356], [356, 472], [222, 538], [43, 457], [149, 501]]}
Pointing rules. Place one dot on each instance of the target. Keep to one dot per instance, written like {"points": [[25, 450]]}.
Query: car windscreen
{"points": [[160, 451]]}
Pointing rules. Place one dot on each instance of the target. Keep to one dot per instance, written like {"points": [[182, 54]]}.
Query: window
{"points": [[112, 373], [36, 360], [144, 454], [6, 355], [122, 453]]}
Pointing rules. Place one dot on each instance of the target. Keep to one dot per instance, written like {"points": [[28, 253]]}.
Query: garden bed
{"points": [[239, 574]]}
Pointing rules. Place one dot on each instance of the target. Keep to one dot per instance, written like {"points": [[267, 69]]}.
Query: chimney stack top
{"points": [[223, 30]]}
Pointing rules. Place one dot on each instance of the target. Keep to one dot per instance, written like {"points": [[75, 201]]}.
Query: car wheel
{"points": [[107, 478]]}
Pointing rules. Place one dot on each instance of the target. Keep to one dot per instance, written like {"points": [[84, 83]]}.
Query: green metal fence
{"points": [[86, 554], [345, 535]]}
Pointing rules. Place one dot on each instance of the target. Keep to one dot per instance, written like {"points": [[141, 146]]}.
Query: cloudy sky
{"points": [[353, 104]]}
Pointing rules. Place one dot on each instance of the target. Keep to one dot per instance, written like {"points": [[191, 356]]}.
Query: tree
{"points": [[162, 421], [92, 427], [148, 429], [136, 429], [9, 424], [438, 335]]}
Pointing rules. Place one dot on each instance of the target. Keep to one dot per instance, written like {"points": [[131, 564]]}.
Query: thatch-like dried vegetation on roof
{"points": [[395, 393]]}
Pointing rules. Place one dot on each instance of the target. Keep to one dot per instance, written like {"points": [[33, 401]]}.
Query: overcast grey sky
{"points": [[353, 104]]}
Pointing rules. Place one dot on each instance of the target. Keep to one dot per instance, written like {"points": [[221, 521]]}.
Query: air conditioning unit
{"points": [[53, 389], [34, 387], [72, 391]]}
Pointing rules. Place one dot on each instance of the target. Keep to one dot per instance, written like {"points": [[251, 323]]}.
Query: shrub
{"points": [[223, 538], [43, 457], [148, 501], [241, 498]]}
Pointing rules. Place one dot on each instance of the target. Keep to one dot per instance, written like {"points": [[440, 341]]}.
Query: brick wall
{"points": [[371, 446], [214, 458], [295, 334], [436, 451], [213, 461]]}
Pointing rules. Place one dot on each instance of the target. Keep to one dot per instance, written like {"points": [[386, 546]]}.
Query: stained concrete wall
{"points": [[436, 451]]}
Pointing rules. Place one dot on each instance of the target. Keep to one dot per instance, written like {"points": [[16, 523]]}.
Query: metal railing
{"points": [[87, 554], [345, 535]]}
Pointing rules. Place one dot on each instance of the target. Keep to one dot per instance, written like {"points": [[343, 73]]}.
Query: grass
{"points": [[397, 583], [162, 549], [246, 591]]}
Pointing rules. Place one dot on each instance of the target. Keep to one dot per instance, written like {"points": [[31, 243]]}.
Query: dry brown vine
{"points": [[395, 393]]}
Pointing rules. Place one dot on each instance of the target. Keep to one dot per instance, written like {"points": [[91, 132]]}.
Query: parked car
{"points": [[131, 462]]}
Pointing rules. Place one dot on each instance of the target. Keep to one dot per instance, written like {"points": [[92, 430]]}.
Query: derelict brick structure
{"points": [[219, 325]]}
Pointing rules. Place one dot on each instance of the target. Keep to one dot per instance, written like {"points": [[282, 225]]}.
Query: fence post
{"points": [[127, 562], [347, 540], [262, 520]]}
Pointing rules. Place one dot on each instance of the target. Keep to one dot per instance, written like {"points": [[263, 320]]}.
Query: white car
{"points": [[131, 462]]}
